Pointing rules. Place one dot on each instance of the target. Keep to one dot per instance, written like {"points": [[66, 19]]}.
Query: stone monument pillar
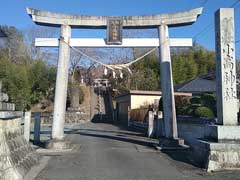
{"points": [[226, 67], [227, 103], [74, 96], [4, 104], [61, 84], [220, 149]]}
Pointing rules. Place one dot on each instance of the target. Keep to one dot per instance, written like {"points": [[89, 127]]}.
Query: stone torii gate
{"points": [[67, 22]]}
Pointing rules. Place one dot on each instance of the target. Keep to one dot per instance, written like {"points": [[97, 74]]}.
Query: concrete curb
{"points": [[74, 148], [159, 148], [38, 168]]}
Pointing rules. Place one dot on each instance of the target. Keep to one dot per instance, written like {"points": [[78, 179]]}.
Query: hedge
{"points": [[195, 100], [204, 112]]}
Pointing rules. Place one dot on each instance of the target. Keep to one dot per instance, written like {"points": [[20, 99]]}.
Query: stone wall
{"points": [[76, 117], [205, 151], [215, 156], [70, 118], [16, 155], [190, 128]]}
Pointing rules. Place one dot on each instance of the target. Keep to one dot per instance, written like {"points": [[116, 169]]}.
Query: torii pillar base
{"points": [[59, 145], [166, 144]]}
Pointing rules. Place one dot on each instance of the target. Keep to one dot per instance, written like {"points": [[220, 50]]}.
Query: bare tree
{"points": [[82, 63], [14, 44], [32, 32], [126, 55]]}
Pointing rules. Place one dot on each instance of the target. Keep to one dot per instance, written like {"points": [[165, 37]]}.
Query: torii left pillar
{"points": [[61, 84]]}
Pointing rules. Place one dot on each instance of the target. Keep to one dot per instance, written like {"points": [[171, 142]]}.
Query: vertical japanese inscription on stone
{"points": [[114, 30], [226, 67]]}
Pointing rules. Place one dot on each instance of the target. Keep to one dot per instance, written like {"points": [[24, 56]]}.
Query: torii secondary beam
{"points": [[101, 43]]}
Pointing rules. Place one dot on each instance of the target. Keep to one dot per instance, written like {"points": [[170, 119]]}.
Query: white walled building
{"points": [[134, 99]]}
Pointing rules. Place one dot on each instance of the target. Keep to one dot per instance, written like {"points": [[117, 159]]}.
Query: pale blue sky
{"points": [[12, 12]]}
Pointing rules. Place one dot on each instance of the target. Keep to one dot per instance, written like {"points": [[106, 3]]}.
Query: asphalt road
{"points": [[108, 152]]}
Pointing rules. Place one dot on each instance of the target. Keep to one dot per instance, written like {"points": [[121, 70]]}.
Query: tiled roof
{"points": [[203, 83]]}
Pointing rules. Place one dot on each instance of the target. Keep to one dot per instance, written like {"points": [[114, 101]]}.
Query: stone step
{"points": [[10, 114]]}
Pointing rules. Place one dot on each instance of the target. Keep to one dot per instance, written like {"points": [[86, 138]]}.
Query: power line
{"points": [[204, 3], [235, 3], [206, 29], [210, 25]]}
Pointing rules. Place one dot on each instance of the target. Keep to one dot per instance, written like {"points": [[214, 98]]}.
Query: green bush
{"points": [[27, 83], [16, 85], [197, 106], [195, 100], [182, 110], [191, 109], [180, 102], [204, 112], [188, 109], [208, 100]]}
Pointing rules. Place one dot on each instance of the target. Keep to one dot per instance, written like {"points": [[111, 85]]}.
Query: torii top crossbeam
{"points": [[46, 18]]}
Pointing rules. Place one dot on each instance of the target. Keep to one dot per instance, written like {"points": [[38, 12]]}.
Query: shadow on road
{"points": [[119, 137], [134, 133], [119, 132], [179, 156]]}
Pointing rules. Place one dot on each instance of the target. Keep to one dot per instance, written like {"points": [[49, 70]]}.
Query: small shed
{"points": [[134, 99]]}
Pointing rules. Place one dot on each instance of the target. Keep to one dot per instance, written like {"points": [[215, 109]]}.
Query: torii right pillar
{"points": [[170, 122]]}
